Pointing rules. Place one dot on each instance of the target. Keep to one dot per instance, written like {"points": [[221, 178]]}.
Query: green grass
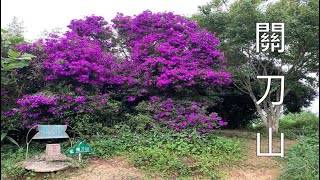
{"points": [[172, 154], [167, 154], [183, 158], [11, 156]]}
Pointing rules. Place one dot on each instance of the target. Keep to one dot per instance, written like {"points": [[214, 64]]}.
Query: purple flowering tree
{"points": [[133, 58], [159, 50], [168, 51]]}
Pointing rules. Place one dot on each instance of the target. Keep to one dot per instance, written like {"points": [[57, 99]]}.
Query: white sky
{"points": [[39, 15]]}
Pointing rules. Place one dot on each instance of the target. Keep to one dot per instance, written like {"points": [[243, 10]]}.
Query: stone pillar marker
{"points": [[53, 149], [52, 159]]}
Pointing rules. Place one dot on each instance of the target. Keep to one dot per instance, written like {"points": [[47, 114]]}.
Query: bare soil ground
{"points": [[112, 169], [257, 168]]}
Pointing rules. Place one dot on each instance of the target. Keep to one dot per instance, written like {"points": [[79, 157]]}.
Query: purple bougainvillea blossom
{"points": [[42, 109], [131, 99], [158, 50], [182, 116], [146, 52]]}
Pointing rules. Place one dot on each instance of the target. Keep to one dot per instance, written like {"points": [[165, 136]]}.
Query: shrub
{"points": [[104, 116], [304, 121], [140, 122], [183, 115], [82, 125], [302, 160], [46, 108], [299, 121], [186, 155]]}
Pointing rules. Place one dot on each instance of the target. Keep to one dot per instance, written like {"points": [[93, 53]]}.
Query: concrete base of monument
{"points": [[45, 163]]}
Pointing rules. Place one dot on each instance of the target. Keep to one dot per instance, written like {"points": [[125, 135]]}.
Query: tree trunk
{"points": [[273, 116], [275, 126], [276, 119], [268, 113], [271, 121]]}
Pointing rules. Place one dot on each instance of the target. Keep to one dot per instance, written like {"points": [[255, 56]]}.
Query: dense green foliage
{"points": [[292, 125], [240, 108], [9, 159], [170, 154], [13, 69], [293, 121], [302, 160], [301, 120], [235, 23]]}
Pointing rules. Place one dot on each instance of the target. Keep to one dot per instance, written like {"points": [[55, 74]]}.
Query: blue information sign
{"points": [[51, 132]]}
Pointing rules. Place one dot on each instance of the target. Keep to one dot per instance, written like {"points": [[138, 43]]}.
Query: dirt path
{"points": [[112, 169], [251, 168], [257, 168]]}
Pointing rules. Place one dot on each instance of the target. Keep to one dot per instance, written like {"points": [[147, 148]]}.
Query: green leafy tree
{"points": [[16, 27], [45, 33], [11, 86], [236, 23], [12, 63]]}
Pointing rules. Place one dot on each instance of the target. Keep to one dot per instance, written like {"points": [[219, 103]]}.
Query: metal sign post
{"points": [[79, 148], [49, 132]]}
